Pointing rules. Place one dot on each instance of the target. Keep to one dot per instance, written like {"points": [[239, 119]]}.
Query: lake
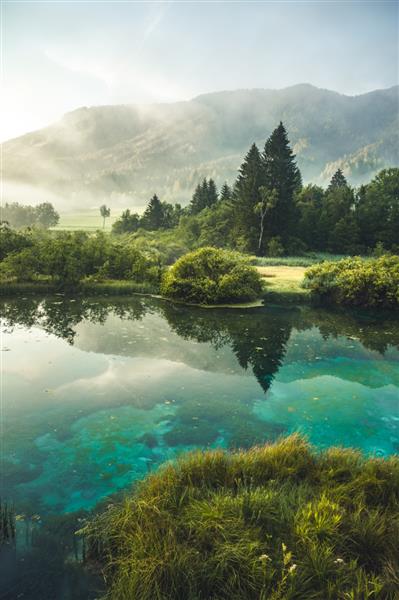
{"points": [[96, 393]]}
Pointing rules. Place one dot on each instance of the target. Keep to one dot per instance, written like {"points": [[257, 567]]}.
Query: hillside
{"points": [[123, 154]]}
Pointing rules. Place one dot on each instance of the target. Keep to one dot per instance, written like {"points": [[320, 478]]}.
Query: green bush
{"points": [[278, 522], [67, 258], [211, 276], [357, 282]]}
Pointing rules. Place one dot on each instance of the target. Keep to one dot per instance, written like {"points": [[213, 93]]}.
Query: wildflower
{"points": [[339, 561], [264, 557], [292, 568]]}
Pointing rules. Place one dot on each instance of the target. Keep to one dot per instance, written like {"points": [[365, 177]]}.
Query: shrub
{"points": [[275, 247], [357, 282], [277, 521], [211, 276]]}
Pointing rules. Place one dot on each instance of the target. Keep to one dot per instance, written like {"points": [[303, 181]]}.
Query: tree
{"points": [[309, 202], [212, 194], [338, 207], [338, 180], [105, 212], [153, 217], [226, 193], [377, 210], [268, 199], [127, 223], [46, 216], [11, 241], [280, 173], [247, 197]]}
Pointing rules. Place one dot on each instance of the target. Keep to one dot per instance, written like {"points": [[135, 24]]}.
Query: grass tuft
{"points": [[277, 522]]}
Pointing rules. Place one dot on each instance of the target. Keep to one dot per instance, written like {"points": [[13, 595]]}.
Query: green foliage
{"points": [[274, 522], [105, 212], [377, 210], [11, 240], [275, 247], [127, 223], [358, 282], [205, 195], [67, 258], [20, 216], [211, 276]]}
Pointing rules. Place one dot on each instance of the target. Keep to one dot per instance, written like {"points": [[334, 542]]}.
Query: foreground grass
{"points": [[274, 522]]}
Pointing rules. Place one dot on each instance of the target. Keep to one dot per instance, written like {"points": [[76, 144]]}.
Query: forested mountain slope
{"points": [[129, 152]]}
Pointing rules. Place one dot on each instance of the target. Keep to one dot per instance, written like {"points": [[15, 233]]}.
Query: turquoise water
{"points": [[97, 393]]}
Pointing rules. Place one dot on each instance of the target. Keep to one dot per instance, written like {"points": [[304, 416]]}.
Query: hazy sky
{"points": [[57, 56]]}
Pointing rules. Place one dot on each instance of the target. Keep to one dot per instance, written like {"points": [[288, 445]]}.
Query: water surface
{"points": [[96, 393]]}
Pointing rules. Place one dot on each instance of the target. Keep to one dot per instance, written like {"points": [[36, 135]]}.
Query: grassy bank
{"points": [[283, 284], [274, 522], [86, 288]]}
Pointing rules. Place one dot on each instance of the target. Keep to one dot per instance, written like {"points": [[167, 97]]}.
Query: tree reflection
{"points": [[258, 337]]}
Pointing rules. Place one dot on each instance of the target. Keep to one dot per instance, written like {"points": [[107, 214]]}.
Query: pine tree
{"points": [[281, 174], [225, 193], [338, 180], [212, 194], [247, 198], [153, 217], [199, 200]]}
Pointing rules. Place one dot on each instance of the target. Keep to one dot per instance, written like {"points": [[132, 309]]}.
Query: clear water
{"points": [[96, 393]]}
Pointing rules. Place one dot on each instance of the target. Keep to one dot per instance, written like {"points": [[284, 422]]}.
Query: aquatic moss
{"points": [[277, 521]]}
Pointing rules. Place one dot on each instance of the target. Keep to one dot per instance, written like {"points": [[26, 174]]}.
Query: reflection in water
{"points": [[97, 392]]}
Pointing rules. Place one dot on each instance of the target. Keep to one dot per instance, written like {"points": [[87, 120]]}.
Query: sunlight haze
{"points": [[60, 56]]}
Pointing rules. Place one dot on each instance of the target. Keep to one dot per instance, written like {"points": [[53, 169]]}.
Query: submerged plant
{"points": [[7, 524], [275, 522]]}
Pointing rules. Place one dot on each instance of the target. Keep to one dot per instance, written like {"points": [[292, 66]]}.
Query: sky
{"points": [[58, 56]]}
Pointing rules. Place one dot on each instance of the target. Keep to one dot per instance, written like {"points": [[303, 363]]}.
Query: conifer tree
{"points": [[199, 200], [225, 193], [212, 194], [338, 180], [250, 178], [281, 173], [153, 216]]}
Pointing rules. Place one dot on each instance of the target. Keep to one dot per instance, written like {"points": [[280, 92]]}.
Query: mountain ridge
{"points": [[127, 152]]}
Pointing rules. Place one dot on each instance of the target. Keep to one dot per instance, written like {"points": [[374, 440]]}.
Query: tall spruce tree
{"points": [[338, 180], [153, 216], [281, 173], [212, 195], [247, 198], [225, 193], [199, 200]]}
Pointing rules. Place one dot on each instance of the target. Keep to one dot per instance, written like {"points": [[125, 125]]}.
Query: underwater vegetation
{"points": [[7, 524], [276, 522]]}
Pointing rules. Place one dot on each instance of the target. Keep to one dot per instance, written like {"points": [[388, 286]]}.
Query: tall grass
{"points": [[275, 522]]}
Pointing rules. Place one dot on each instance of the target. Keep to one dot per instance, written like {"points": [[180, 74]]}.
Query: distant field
{"points": [[89, 220]]}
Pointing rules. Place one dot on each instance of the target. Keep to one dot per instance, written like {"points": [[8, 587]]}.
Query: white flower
{"points": [[264, 557], [292, 568]]}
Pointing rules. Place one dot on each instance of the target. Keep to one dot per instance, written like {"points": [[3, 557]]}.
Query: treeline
{"points": [[20, 216], [268, 211], [158, 215]]}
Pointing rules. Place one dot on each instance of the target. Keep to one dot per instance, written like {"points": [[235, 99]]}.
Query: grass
{"points": [[284, 284], [295, 261], [276, 522], [86, 288], [88, 220]]}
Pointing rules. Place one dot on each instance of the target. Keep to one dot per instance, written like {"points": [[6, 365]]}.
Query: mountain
{"points": [[123, 154]]}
